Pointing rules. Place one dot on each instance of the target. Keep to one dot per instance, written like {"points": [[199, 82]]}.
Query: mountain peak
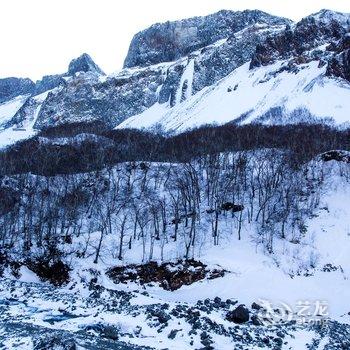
{"points": [[165, 42], [83, 63], [326, 16]]}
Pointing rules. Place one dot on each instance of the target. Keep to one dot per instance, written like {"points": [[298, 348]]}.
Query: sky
{"points": [[40, 37]]}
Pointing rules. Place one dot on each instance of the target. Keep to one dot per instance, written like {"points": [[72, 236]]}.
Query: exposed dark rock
{"points": [[159, 313], [49, 82], [106, 331], [12, 87], [256, 306], [308, 34], [55, 342], [56, 272], [231, 206], [256, 320], [85, 98], [329, 268], [337, 155], [173, 333], [164, 42], [83, 63], [339, 64], [239, 315], [170, 276]]}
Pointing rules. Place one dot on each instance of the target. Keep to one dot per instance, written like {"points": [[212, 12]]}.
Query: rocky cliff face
{"points": [[230, 39], [339, 64], [303, 41], [25, 116], [13, 87], [165, 42]]}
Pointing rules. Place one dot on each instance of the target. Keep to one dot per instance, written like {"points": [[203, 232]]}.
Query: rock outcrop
{"points": [[165, 42], [132, 91], [83, 63], [339, 64], [299, 40], [12, 87]]}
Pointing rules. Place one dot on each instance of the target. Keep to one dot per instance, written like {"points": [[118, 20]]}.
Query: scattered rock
{"points": [[173, 333], [256, 321], [239, 315], [256, 306], [54, 342], [170, 276]]}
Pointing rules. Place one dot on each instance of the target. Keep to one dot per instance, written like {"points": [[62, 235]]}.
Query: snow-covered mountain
{"points": [[298, 72], [217, 238], [230, 66]]}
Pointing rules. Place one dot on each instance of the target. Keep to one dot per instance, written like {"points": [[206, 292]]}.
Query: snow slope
{"points": [[255, 276], [303, 90], [9, 109], [26, 130]]}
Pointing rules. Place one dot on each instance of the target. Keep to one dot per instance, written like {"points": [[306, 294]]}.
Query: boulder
{"points": [[239, 315]]}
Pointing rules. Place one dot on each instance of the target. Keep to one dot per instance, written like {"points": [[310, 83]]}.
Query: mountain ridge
{"points": [[151, 91]]}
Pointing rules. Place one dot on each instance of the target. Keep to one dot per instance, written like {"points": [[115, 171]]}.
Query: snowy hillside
{"points": [[24, 127], [93, 310], [275, 94]]}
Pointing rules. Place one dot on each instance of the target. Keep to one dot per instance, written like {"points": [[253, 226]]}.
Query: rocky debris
{"points": [[239, 315], [54, 271], [256, 306], [159, 314], [170, 276], [55, 342], [337, 155], [12, 87], [165, 42], [200, 322], [106, 331], [173, 333], [329, 268], [256, 321]]}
